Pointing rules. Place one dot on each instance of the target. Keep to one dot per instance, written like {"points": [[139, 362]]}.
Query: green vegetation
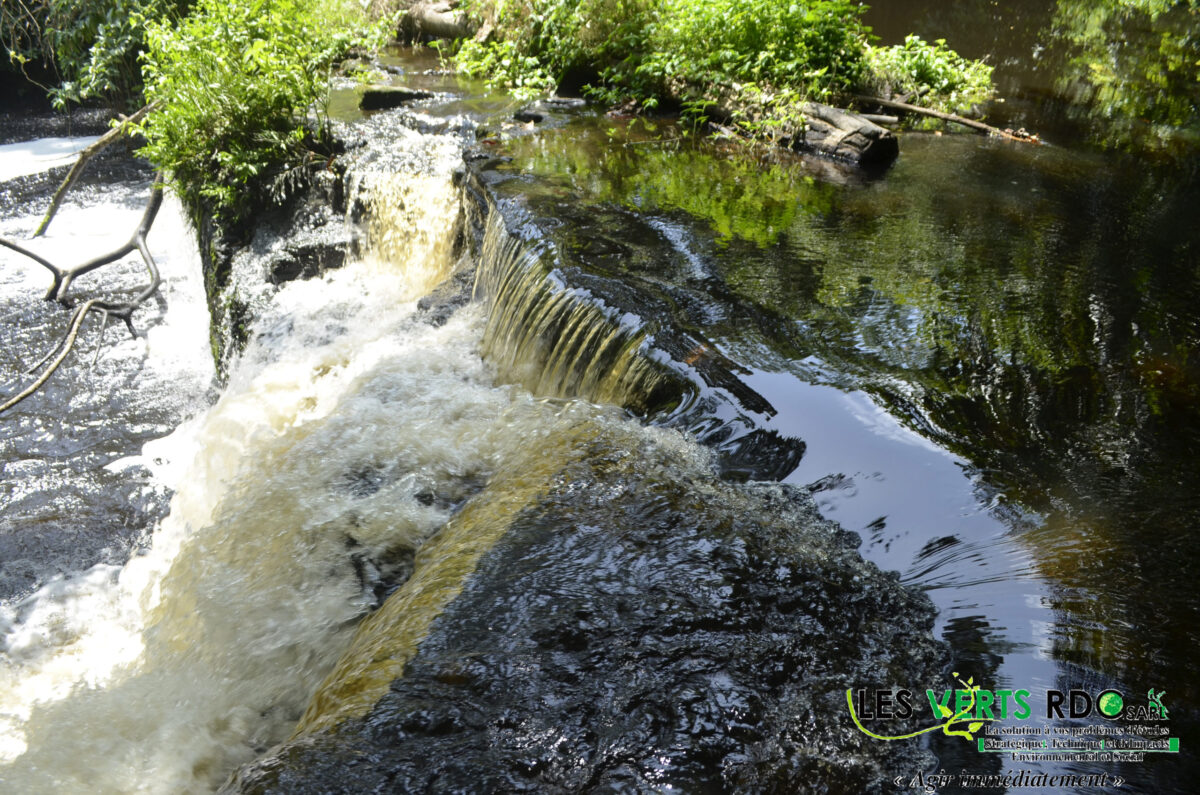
{"points": [[1138, 63], [91, 49], [740, 198], [691, 51], [813, 47], [240, 86], [932, 74]]}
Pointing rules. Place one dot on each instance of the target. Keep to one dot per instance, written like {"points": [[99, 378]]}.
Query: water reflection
{"points": [[1027, 317], [1120, 74]]}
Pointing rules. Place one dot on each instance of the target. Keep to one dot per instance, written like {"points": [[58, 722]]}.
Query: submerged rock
{"points": [[637, 627], [379, 97]]}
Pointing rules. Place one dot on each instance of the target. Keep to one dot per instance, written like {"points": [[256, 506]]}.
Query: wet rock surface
{"points": [[381, 97], [642, 271], [243, 264], [25, 126], [66, 501], [633, 634]]}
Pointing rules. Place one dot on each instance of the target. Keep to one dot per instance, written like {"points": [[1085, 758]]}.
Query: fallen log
{"points": [[812, 128], [847, 136], [987, 129], [441, 19]]}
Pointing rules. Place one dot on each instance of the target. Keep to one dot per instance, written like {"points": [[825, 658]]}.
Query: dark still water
{"points": [[983, 362], [989, 352]]}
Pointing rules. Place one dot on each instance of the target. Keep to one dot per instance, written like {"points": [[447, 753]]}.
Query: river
{"points": [[982, 362]]}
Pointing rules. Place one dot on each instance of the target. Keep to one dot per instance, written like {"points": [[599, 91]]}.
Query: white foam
{"points": [[32, 157], [341, 420]]}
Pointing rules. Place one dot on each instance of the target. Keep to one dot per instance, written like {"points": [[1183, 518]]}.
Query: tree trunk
{"points": [[440, 19], [845, 135], [819, 129]]}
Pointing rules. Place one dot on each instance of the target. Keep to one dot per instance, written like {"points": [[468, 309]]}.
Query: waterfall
{"points": [[557, 340], [350, 431]]}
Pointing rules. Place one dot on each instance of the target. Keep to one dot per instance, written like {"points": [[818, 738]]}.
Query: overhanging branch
{"points": [[62, 281]]}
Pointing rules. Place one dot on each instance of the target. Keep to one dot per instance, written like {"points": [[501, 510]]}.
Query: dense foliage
{"points": [[930, 73], [91, 48], [650, 50], [240, 86]]}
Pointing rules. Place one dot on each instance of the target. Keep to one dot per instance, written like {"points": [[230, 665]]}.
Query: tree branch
{"points": [[66, 345], [63, 277], [1020, 135], [85, 155], [62, 280]]}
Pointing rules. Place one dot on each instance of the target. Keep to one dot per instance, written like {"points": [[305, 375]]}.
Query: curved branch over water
{"points": [[979, 126], [84, 156], [63, 277], [62, 282]]}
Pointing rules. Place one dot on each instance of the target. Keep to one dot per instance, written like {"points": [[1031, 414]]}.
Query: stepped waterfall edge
{"points": [[518, 617], [427, 530]]}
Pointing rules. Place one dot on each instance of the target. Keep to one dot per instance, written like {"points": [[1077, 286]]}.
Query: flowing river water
{"points": [[982, 362]]}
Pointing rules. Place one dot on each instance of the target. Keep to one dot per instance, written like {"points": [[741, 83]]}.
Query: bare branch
{"points": [[123, 310], [54, 269], [63, 277], [66, 345], [85, 155], [1019, 135], [152, 207]]}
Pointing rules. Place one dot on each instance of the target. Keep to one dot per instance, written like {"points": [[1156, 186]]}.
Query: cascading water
{"points": [[363, 475], [557, 340], [349, 432]]}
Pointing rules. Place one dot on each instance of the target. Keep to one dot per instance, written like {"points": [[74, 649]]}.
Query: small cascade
{"points": [[561, 341], [349, 432], [398, 228], [565, 327]]}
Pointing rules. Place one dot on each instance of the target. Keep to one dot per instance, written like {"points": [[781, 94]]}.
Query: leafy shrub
{"points": [[770, 50], [815, 47], [236, 82], [93, 47], [942, 78], [645, 48], [537, 42]]}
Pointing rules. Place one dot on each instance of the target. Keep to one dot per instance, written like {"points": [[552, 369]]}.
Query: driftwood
{"points": [[845, 135], [84, 156], [62, 282], [1018, 135], [819, 129], [880, 118], [436, 20]]}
